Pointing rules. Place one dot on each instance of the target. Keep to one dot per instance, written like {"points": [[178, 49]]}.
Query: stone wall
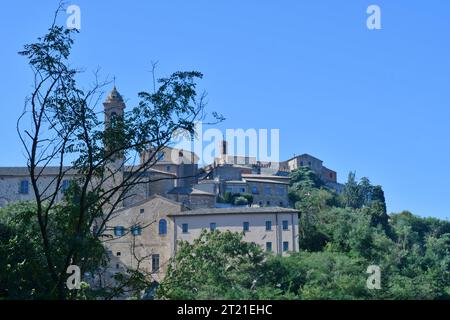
{"points": [[147, 215], [268, 194], [234, 222]]}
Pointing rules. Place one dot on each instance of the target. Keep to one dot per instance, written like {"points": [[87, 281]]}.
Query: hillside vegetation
{"points": [[340, 236]]}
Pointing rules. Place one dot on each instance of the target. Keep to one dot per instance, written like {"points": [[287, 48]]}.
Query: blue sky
{"points": [[376, 102]]}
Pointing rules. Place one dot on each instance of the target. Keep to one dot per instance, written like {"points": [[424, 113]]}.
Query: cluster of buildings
{"points": [[181, 199]]}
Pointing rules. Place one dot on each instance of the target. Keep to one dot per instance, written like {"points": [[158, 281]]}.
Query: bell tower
{"points": [[113, 105]]}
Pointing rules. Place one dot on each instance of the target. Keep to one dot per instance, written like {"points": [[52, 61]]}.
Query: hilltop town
{"points": [[177, 199]]}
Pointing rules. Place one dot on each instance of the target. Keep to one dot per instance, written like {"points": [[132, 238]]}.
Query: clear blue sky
{"points": [[377, 102]]}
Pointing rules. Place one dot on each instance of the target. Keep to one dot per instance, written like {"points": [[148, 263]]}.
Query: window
{"points": [[142, 210], [185, 227], [136, 230], [285, 246], [280, 191], [160, 156], [267, 190], [119, 231], [65, 185], [23, 187], [269, 246], [242, 190], [268, 203], [309, 163], [118, 253], [281, 204], [246, 226], [155, 262], [285, 225], [168, 168], [268, 225], [255, 190], [162, 227], [212, 226]]}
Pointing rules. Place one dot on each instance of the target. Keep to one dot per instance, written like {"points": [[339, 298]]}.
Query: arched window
{"points": [[162, 227]]}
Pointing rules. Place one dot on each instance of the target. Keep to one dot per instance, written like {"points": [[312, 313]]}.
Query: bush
{"points": [[240, 201]]}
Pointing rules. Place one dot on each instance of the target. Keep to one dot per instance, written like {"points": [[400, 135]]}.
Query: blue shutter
{"points": [[162, 227]]}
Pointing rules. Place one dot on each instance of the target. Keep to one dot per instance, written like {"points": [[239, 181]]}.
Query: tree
{"points": [[378, 197], [217, 265], [310, 197], [352, 194], [65, 127], [304, 177], [26, 275], [365, 190], [240, 201]]}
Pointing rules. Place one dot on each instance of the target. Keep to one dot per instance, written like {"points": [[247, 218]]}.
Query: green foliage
{"points": [[339, 238], [240, 201], [304, 177], [318, 275], [218, 265], [23, 267], [237, 199]]}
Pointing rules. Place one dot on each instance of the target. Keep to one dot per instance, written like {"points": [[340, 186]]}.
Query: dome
{"points": [[114, 96]]}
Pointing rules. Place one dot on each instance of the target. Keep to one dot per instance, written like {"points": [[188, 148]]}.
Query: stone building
{"points": [[274, 229], [192, 198], [316, 165], [148, 232], [15, 183], [182, 163], [268, 190], [142, 234], [172, 168]]}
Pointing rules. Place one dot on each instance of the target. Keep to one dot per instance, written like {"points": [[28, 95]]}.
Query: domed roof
{"points": [[114, 96]]}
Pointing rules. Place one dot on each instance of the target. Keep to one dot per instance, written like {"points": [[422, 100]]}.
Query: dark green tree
{"points": [[217, 265]]}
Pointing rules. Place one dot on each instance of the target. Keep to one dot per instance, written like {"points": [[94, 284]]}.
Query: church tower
{"points": [[114, 106]]}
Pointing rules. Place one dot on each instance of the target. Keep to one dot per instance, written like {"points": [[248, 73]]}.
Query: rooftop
{"points": [[23, 171], [54, 170], [267, 181], [235, 210], [264, 176], [114, 96], [190, 191], [304, 155]]}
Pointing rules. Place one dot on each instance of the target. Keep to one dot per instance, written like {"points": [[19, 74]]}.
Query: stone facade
{"points": [[316, 165], [268, 192], [15, 184], [152, 182], [180, 162], [192, 198], [125, 251], [156, 244], [281, 236]]}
